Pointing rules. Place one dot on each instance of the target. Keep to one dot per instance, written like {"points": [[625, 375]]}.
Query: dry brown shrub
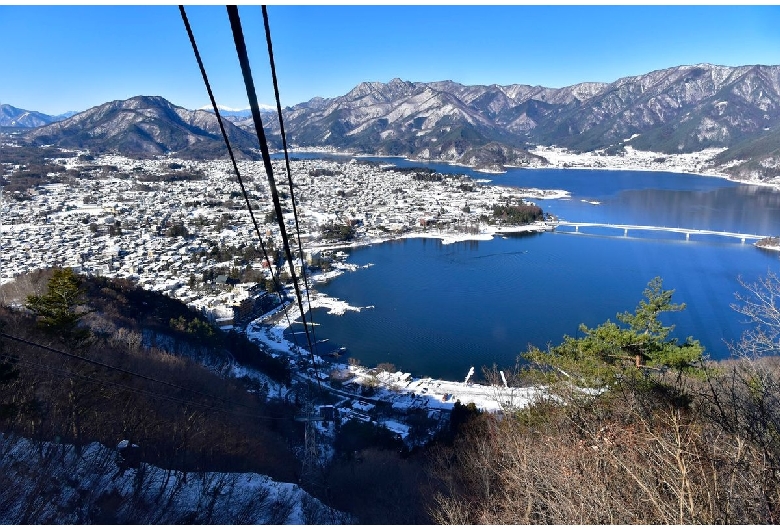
{"points": [[621, 458]]}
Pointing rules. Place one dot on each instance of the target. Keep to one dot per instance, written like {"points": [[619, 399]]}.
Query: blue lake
{"points": [[440, 309]]}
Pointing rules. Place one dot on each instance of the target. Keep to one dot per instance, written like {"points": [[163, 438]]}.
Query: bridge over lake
{"points": [[687, 231]]}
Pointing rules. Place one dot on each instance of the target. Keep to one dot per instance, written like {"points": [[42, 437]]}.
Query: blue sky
{"points": [[59, 58]]}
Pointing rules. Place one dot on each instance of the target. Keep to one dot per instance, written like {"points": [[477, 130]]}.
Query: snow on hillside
{"points": [[48, 483]]}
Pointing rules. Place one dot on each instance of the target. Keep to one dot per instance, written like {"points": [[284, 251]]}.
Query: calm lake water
{"points": [[440, 309]]}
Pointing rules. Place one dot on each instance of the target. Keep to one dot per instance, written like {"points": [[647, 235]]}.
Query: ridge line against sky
{"points": [[58, 58]]}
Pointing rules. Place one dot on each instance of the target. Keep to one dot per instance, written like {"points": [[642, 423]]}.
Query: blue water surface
{"points": [[440, 309]]}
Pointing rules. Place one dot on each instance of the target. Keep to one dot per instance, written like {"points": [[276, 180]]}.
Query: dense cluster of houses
{"points": [[136, 219], [182, 228]]}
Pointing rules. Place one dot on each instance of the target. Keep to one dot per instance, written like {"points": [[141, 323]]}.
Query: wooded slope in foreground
{"points": [[636, 426]]}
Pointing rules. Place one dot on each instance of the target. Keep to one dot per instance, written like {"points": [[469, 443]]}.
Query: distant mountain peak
{"points": [[66, 114], [11, 116], [222, 107], [145, 125]]}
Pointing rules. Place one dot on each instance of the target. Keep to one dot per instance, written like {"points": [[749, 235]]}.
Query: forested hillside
{"points": [[104, 361], [102, 382], [120, 405]]}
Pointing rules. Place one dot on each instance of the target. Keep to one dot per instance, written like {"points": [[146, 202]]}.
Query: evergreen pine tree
{"points": [[606, 351], [59, 310]]}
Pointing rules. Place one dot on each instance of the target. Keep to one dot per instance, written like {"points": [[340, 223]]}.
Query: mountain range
{"points": [[13, 117], [679, 109], [235, 114]]}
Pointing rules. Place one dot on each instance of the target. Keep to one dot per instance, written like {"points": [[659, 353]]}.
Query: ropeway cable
{"points": [[238, 37], [286, 158], [275, 278]]}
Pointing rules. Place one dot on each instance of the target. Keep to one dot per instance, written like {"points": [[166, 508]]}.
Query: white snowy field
{"points": [[633, 160], [486, 233]]}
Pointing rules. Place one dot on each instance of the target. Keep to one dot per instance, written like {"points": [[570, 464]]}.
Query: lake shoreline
{"points": [[560, 158], [400, 389], [446, 237]]}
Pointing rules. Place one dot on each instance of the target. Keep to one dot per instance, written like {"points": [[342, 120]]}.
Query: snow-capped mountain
{"points": [[238, 115], [436, 121], [64, 115], [228, 112], [144, 125], [13, 117], [679, 109], [717, 104]]}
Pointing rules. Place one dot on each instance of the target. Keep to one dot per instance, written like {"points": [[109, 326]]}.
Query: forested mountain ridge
{"points": [[145, 126], [680, 109], [121, 406], [674, 110], [117, 407]]}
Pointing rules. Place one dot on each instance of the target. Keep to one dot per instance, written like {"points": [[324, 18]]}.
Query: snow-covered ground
{"points": [[699, 163], [271, 334], [46, 483], [406, 392], [633, 159], [486, 233]]}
